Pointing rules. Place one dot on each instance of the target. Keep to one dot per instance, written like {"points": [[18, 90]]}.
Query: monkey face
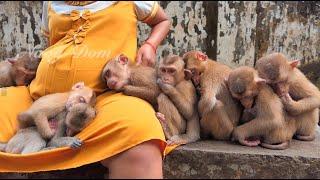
{"points": [[80, 94], [24, 67], [167, 74], [275, 69], [195, 64], [116, 73], [243, 83], [247, 97], [170, 70], [78, 117], [281, 88]]}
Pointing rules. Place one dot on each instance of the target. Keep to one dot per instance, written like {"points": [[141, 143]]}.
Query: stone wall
{"points": [[235, 33]]}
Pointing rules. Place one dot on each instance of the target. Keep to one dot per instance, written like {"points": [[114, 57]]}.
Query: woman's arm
{"points": [[160, 25]]}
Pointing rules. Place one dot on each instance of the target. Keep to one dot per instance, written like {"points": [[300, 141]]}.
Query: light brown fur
{"points": [[271, 123], [18, 71], [133, 80], [29, 140], [300, 97], [51, 105], [70, 123], [177, 102], [218, 110]]}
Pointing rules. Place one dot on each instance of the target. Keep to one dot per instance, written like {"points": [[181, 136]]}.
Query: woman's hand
{"points": [[146, 55], [160, 25]]}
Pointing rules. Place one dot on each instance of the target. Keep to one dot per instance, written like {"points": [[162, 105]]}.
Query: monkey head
{"points": [[170, 70], [116, 73], [276, 70], [243, 83], [24, 67], [78, 117], [196, 62], [80, 94]]}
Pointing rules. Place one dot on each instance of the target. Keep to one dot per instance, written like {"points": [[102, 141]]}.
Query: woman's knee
{"points": [[146, 154]]}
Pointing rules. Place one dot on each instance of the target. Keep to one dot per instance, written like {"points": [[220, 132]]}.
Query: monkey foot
{"points": [[305, 138], [171, 143], [251, 142], [175, 140], [279, 146], [160, 117]]}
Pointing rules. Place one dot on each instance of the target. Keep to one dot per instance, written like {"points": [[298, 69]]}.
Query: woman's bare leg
{"points": [[141, 161]]}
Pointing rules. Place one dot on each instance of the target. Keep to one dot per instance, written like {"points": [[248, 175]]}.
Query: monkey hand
{"points": [[288, 103], [206, 105], [165, 88], [75, 143]]}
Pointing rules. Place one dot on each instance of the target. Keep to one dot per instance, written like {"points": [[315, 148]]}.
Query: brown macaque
{"points": [[121, 74], [219, 112], [70, 123], [49, 106], [177, 102], [18, 71], [271, 127], [300, 97]]}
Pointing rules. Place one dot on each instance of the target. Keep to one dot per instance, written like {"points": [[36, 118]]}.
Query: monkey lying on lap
{"points": [[18, 71], [51, 105], [29, 140], [73, 111], [177, 115]]}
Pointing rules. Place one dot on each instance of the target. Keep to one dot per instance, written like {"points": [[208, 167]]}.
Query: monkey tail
{"points": [[305, 138], [3, 147], [280, 146]]}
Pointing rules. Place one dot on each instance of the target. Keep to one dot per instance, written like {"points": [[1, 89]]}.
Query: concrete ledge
{"points": [[217, 159], [212, 159]]}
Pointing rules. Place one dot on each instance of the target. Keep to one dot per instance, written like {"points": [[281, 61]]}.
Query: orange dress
{"points": [[81, 43]]}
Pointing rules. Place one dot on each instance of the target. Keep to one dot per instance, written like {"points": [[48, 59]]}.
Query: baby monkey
{"points": [[18, 71], [219, 112], [177, 102], [49, 106], [70, 122], [271, 124], [121, 74], [300, 97]]}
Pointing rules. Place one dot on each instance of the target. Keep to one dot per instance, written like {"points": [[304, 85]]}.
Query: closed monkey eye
{"points": [[171, 70], [108, 74]]}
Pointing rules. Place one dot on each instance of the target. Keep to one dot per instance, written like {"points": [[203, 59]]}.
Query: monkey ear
{"points": [[294, 63], [259, 80], [123, 59], [187, 74], [11, 60], [226, 80], [201, 56], [79, 85]]}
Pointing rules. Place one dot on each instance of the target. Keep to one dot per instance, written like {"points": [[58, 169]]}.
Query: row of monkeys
{"points": [[194, 97]]}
